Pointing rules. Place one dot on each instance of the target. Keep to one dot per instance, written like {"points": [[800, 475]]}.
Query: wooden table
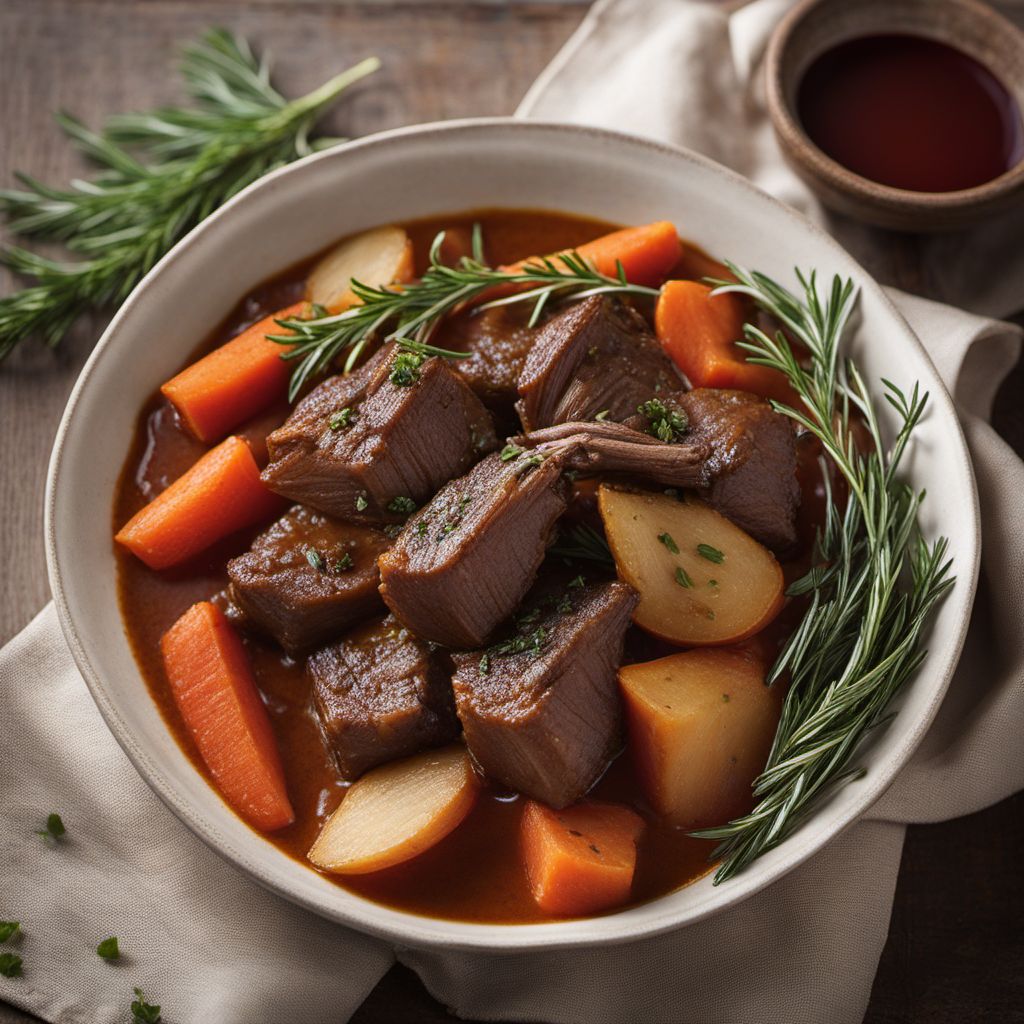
{"points": [[956, 946]]}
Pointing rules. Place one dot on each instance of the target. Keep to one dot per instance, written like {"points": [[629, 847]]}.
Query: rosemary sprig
{"points": [[583, 543], [161, 173], [874, 583], [412, 312]]}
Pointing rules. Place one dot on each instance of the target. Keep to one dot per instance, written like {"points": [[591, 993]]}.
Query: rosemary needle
{"points": [[161, 173], [859, 640]]}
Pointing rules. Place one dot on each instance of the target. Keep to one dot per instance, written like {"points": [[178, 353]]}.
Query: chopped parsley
{"points": [[10, 965], [315, 559], [8, 929], [602, 415], [402, 505], [683, 577], [710, 553], [107, 949], [510, 452], [405, 370], [143, 1012], [666, 539], [344, 563], [666, 424], [361, 502], [341, 419], [421, 528], [54, 828]]}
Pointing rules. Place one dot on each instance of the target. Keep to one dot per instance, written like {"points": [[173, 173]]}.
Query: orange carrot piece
{"points": [[699, 333], [647, 253], [213, 686], [233, 382], [580, 860], [221, 493]]}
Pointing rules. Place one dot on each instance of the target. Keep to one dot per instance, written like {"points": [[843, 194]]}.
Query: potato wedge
{"points": [[378, 257], [700, 726], [702, 581], [397, 811]]}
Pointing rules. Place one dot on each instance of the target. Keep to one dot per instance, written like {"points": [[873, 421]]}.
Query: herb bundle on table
{"points": [[160, 173]]}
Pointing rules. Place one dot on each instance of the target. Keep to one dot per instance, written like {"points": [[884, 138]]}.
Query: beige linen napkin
{"points": [[211, 946]]}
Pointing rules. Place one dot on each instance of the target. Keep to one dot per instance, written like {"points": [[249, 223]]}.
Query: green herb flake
{"points": [[712, 583], [107, 949], [54, 828], [666, 539], [484, 667], [710, 553], [510, 452], [315, 559], [602, 415], [405, 370], [402, 505], [10, 965], [8, 929], [344, 562], [725, 698], [683, 577], [143, 1012], [361, 502], [665, 424], [421, 528], [341, 419]]}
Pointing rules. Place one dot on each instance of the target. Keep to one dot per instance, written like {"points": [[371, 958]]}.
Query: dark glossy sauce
{"points": [[910, 112], [475, 874]]}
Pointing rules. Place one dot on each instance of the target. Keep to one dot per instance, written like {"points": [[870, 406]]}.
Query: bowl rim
{"points": [[418, 931], [840, 177]]}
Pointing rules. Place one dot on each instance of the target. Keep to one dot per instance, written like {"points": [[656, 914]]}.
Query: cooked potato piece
{"points": [[702, 581], [397, 811], [378, 257], [700, 726]]}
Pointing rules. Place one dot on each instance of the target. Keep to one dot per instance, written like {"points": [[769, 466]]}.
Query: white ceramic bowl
{"points": [[416, 172]]}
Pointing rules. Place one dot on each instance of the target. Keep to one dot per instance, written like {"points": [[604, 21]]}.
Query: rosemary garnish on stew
{"points": [[858, 642], [409, 313], [161, 173]]}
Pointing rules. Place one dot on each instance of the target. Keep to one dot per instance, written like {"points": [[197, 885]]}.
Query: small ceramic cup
{"points": [[815, 26]]}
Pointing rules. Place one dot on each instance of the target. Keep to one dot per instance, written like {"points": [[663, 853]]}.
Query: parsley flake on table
{"points": [[8, 929], [107, 949], [54, 828], [143, 1012], [10, 965]]}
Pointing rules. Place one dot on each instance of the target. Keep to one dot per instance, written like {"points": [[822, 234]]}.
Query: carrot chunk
{"points": [[213, 686], [647, 253], [233, 382], [699, 332], [580, 860], [221, 493]]}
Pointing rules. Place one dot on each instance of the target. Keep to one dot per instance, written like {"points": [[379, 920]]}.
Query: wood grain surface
{"points": [[955, 951]]}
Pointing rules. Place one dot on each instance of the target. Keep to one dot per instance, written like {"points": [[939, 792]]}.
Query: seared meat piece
{"points": [[308, 578], [751, 465], [394, 447], [735, 451], [541, 710], [599, 356], [380, 694], [464, 562], [499, 341]]}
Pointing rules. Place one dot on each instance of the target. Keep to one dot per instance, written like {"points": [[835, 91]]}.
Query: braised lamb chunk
{"points": [[730, 446], [380, 694], [599, 357], [308, 578], [464, 562], [540, 709], [499, 341], [370, 453]]}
